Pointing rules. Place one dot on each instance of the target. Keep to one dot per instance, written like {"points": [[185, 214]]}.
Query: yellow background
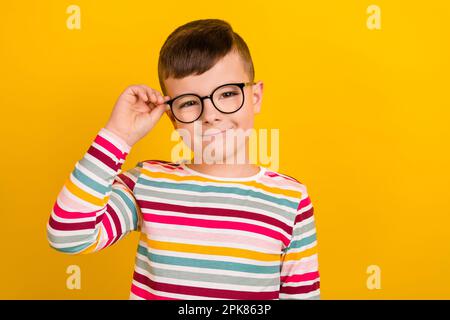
{"points": [[363, 118]]}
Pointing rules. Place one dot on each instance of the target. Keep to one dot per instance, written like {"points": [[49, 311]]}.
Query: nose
{"points": [[210, 113]]}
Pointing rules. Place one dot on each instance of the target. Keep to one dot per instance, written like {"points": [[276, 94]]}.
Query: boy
{"points": [[209, 229]]}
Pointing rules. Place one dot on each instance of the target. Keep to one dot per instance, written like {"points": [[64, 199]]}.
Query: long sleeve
{"points": [[300, 277], [96, 206]]}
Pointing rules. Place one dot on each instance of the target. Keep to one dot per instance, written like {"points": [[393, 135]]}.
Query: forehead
{"points": [[228, 69]]}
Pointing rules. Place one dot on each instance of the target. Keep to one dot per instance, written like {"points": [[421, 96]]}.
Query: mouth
{"points": [[212, 132]]}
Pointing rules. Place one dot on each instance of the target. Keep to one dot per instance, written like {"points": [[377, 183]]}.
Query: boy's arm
{"points": [[300, 277], [96, 206]]}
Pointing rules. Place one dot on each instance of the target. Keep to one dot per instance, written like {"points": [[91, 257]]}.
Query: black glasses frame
{"points": [[241, 85]]}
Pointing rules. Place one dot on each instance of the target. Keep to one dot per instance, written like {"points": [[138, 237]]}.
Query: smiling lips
{"points": [[212, 132]]}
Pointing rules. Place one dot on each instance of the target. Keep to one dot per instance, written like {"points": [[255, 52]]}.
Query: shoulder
{"points": [[285, 181], [296, 188], [131, 176], [157, 165]]}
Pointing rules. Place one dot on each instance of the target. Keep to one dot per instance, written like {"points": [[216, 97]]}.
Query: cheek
{"points": [[245, 119]]}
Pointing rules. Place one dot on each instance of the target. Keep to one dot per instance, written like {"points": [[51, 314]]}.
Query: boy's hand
{"points": [[136, 112]]}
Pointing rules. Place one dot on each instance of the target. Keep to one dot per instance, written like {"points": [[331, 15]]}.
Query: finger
{"points": [[155, 96], [166, 98], [160, 99], [139, 92], [152, 97]]}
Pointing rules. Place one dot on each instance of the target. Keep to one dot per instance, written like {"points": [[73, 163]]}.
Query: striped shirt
{"points": [[201, 236]]}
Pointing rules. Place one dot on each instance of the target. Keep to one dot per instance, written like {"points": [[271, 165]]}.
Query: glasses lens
{"points": [[187, 108], [228, 98]]}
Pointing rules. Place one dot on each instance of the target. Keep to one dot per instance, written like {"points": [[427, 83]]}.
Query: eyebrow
{"points": [[191, 92]]}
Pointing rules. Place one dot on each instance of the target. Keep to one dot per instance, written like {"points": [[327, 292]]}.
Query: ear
{"points": [[257, 93]]}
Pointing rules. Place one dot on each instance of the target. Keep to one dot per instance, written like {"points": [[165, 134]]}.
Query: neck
{"points": [[226, 170]]}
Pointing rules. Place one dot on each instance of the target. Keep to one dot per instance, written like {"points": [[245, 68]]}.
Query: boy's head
{"points": [[199, 57]]}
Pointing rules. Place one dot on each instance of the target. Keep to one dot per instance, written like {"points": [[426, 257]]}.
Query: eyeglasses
{"points": [[227, 98]]}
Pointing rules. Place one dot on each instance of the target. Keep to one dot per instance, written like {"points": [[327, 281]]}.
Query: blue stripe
{"points": [[75, 249], [208, 264], [84, 179], [303, 242], [228, 190], [130, 206]]}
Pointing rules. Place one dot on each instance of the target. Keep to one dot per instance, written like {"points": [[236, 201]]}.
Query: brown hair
{"points": [[197, 46]]}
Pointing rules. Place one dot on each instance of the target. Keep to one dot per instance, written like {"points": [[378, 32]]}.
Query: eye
{"points": [[229, 94], [188, 104]]}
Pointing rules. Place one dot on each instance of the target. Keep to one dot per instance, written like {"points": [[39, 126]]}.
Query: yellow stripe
{"points": [[302, 254], [211, 250], [80, 193], [289, 193]]}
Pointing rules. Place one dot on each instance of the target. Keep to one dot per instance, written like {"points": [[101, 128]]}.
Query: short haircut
{"points": [[197, 46]]}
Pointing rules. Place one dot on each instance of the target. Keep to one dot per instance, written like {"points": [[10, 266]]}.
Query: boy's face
{"points": [[230, 69]]}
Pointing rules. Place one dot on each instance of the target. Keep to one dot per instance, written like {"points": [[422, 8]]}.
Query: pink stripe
{"points": [[147, 295], [300, 277], [64, 198], [205, 236], [304, 203], [61, 213], [110, 147], [107, 224], [216, 224], [299, 266]]}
